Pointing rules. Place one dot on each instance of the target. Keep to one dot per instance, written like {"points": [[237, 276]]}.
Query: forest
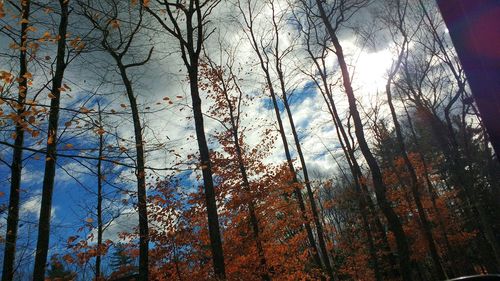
{"points": [[240, 140]]}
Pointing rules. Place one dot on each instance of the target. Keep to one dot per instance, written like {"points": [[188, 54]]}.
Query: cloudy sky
{"points": [[92, 78]]}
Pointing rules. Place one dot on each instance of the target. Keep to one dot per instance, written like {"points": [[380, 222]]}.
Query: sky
{"points": [[171, 125]]}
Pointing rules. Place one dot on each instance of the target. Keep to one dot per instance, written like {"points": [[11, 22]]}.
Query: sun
{"points": [[370, 71]]}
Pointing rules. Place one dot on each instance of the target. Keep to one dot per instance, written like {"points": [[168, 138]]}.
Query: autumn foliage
{"points": [[401, 187]]}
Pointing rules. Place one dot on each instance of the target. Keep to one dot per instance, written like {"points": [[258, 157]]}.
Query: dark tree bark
{"points": [[349, 155], [206, 166], [380, 189], [118, 50], [191, 40], [310, 195], [42, 246], [432, 192], [100, 176], [140, 174], [17, 154], [367, 207]]}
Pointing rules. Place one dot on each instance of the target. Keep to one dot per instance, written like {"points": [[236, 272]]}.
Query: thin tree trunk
{"points": [[380, 189], [253, 216], [17, 154], [430, 186], [364, 198], [360, 188], [141, 177], [191, 44], [99, 201], [312, 201], [118, 53], [298, 193], [246, 185], [445, 136], [42, 246]]}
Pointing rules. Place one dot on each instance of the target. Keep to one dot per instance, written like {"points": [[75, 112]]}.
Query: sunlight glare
{"points": [[371, 70]]}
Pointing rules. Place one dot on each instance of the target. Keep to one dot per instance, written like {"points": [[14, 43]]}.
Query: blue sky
{"points": [[74, 190]]}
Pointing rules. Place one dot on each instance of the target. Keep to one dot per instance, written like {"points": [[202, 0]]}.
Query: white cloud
{"points": [[31, 208]]}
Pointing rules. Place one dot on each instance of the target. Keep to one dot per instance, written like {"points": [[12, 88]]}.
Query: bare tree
{"points": [[279, 56], [399, 21], [100, 177], [321, 77], [195, 15], [117, 45], [338, 13], [265, 64]]}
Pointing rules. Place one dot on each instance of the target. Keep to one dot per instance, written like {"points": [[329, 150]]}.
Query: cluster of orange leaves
{"points": [[439, 212]]}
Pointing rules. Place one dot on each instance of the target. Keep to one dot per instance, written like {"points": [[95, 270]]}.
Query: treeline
{"points": [[413, 194]]}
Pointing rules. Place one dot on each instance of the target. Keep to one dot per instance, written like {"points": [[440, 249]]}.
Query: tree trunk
{"points": [[99, 202], [17, 155], [141, 178], [298, 193], [380, 189], [42, 246], [206, 167], [312, 201], [191, 45], [361, 190], [431, 190], [246, 185]]}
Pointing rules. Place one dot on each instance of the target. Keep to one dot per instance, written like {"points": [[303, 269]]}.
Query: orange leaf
{"points": [[84, 110]]}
